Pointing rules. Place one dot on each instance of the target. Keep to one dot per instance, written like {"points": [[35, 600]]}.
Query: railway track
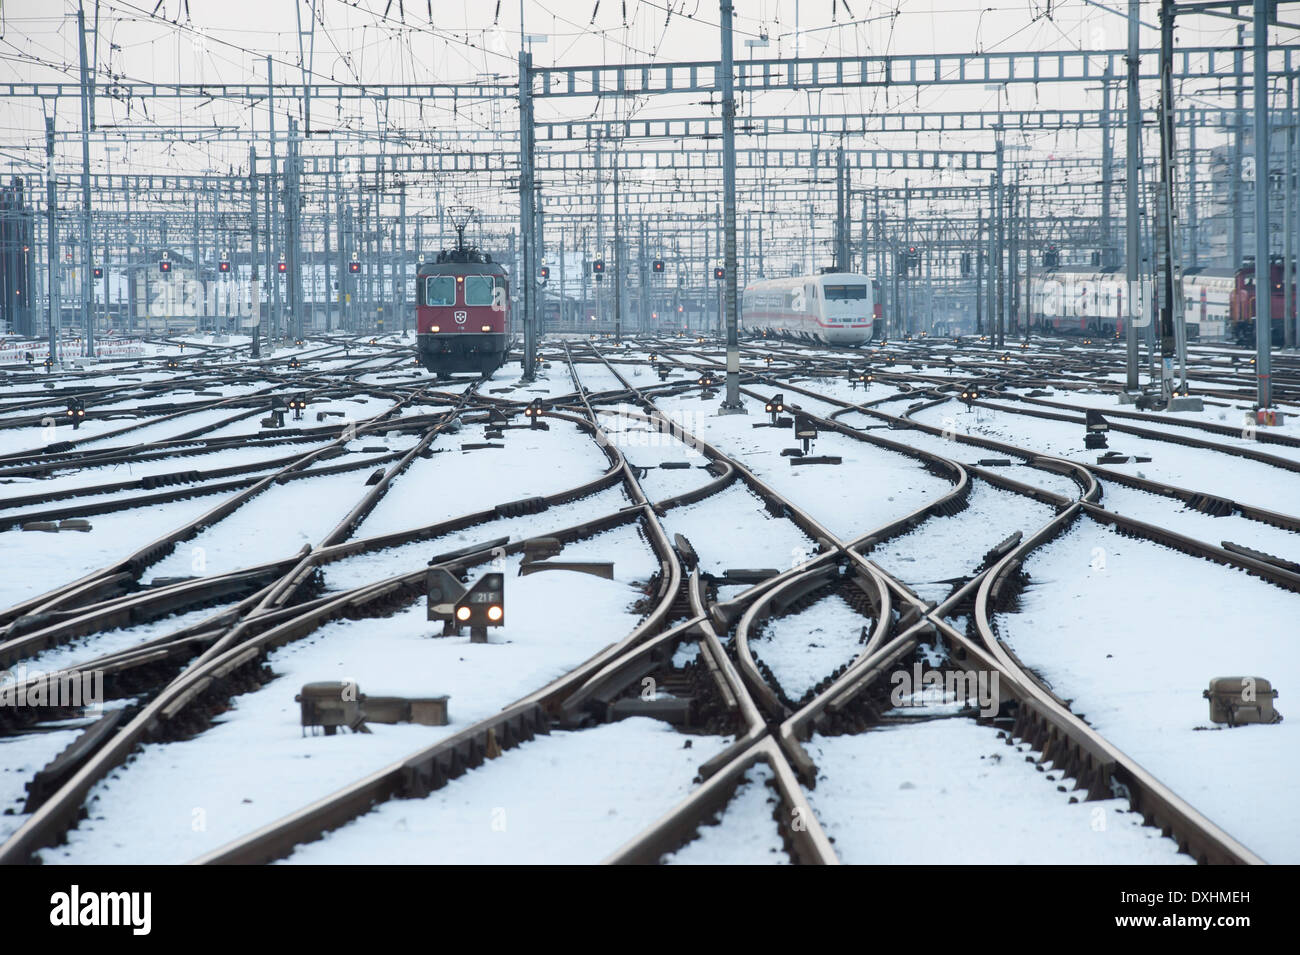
{"points": [[707, 629]]}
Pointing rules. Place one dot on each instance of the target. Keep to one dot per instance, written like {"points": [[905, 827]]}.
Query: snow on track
{"points": [[20, 759], [569, 798], [733, 529], [944, 548], [1132, 632], [745, 835], [949, 791], [872, 487], [454, 482], [52, 560], [804, 647], [233, 776], [1194, 469], [273, 525]]}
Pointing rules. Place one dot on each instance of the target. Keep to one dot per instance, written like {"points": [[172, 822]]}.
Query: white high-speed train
{"points": [[837, 308]]}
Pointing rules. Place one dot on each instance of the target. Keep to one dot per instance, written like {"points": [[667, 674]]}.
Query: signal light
{"points": [[164, 266], [76, 411], [546, 273], [223, 266], [99, 273], [354, 266], [719, 272], [598, 267], [281, 267], [483, 605], [657, 265]]}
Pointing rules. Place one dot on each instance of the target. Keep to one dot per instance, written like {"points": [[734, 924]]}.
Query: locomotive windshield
{"points": [[478, 290], [844, 293], [439, 290]]}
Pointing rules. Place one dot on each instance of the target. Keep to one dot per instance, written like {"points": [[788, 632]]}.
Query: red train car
{"points": [[1242, 303], [462, 313]]}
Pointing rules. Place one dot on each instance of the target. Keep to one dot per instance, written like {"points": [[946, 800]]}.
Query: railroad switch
{"points": [[478, 607], [1095, 430], [76, 412], [539, 549], [1241, 699]]}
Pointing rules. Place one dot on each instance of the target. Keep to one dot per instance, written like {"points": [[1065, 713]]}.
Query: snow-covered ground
{"points": [[944, 548], [801, 648], [565, 799], [746, 834], [232, 777], [51, 560], [21, 757], [733, 529], [454, 482], [948, 791], [870, 488], [1129, 631], [1132, 632], [1194, 469]]}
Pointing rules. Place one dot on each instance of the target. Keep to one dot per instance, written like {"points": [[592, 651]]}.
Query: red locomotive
{"points": [[1242, 303], [462, 311]]}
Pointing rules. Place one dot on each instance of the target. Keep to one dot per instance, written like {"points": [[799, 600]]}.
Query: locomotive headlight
{"points": [[486, 328], [462, 613], [494, 613], [434, 328]]}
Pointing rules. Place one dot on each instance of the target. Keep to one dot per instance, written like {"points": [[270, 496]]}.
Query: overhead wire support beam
{"points": [[527, 198], [935, 69], [731, 403]]}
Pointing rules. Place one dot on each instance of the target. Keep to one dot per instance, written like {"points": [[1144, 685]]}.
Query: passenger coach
{"points": [[837, 308]]}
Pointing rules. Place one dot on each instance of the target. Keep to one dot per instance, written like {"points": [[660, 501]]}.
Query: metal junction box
{"points": [[1241, 699], [331, 704]]}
